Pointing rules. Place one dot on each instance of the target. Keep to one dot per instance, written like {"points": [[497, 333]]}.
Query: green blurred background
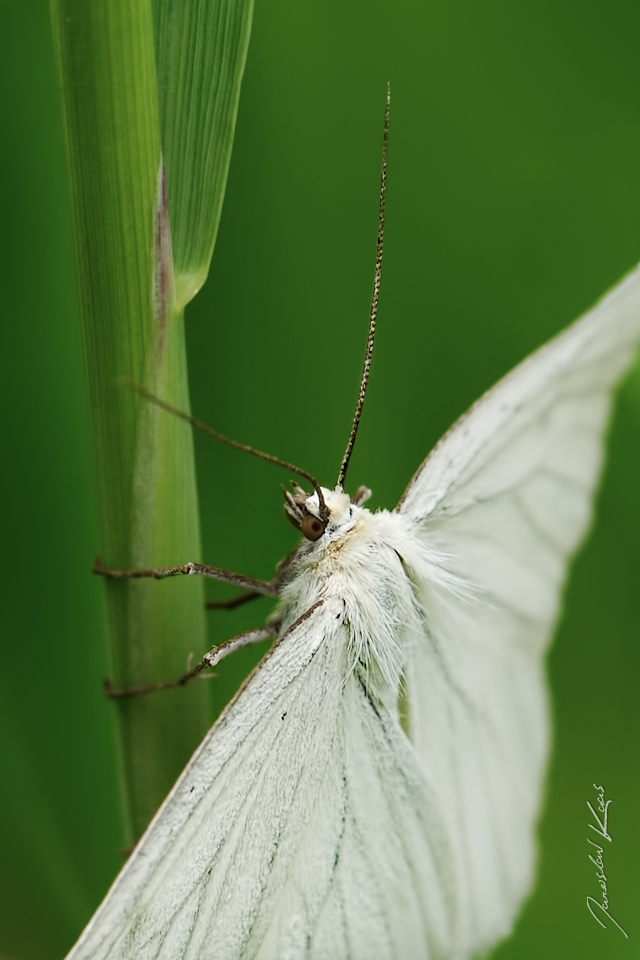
{"points": [[513, 203]]}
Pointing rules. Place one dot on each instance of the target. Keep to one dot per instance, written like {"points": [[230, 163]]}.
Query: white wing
{"points": [[300, 829], [507, 496]]}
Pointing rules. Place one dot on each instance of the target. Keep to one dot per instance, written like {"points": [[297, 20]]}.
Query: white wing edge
{"points": [[471, 431], [278, 668]]}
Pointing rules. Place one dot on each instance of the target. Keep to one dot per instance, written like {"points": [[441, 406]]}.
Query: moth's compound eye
{"points": [[312, 527]]}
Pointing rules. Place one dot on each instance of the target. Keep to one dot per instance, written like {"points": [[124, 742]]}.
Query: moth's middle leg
{"points": [[210, 659]]}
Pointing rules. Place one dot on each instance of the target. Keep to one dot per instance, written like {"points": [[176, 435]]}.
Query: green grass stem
{"points": [[132, 314]]}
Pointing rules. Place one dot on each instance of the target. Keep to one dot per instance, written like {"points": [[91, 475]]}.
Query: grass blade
{"points": [[201, 48]]}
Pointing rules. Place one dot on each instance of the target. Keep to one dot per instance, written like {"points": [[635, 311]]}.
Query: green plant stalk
{"points": [[133, 330]]}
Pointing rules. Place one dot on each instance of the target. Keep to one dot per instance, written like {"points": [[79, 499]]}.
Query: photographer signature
{"points": [[602, 830]]}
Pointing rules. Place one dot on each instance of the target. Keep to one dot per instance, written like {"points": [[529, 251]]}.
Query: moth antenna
{"points": [[220, 437], [374, 300]]}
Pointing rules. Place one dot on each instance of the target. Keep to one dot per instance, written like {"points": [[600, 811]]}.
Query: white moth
{"points": [[371, 793]]}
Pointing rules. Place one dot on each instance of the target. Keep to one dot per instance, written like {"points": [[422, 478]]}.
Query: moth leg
{"points": [[232, 602], [210, 659], [269, 588], [275, 584]]}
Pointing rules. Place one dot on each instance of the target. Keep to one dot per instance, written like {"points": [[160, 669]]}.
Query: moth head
{"points": [[304, 510]]}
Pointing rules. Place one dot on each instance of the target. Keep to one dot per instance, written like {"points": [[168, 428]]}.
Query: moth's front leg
{"points": [[255, 588], [269, 588]]}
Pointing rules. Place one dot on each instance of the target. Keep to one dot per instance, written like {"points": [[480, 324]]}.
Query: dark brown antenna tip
{"points": [[374, 300], [220, 437]]}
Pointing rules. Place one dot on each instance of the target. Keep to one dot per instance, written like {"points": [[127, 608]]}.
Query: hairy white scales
{"points": [[363, 560]]}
